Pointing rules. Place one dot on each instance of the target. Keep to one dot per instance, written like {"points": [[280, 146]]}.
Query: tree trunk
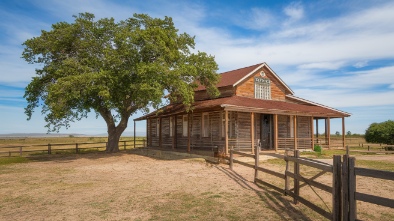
{"points": [[113, 139]]}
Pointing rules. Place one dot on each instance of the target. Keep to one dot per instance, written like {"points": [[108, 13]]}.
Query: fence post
{"points": [[124, 145], [287, 169], [352, 190], [345, 188], [143, 143], [49, 149], [76, 147], [20, 151], [231, 158], [336, 188], [347, 150], [296, 175], [256, 161]]}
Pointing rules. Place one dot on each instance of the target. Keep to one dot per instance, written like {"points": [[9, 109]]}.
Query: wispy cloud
{"points": [[294, 11]]}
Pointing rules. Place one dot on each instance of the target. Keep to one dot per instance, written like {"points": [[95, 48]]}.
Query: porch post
{"points": [[312, 134], [173, 131], [343, 133], [188, 132], [328, 132], [295, 131], [317, 130], [160, 138], [226, 131], [134, 135], [147, 132], [276, 132], [252, 130]]}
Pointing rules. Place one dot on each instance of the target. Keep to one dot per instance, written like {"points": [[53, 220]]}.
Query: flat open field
{"points": [[130, 186]]}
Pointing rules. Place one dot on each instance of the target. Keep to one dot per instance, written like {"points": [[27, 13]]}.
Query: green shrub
{"points": [[317, 148]]}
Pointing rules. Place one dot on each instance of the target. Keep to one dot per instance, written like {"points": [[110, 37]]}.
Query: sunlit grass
{"points": [[12, 160]]}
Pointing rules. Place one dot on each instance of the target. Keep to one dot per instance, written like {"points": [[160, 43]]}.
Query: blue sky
{"points": [[337, 53]]}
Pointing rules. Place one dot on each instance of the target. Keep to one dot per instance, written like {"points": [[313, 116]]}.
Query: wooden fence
{"points": [[343, 189], [77, 147]]}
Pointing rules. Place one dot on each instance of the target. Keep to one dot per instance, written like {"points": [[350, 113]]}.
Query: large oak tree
{"points": [[113, 69]]}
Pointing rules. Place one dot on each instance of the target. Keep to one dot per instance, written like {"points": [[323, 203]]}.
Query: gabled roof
{"points": [[235, 77]]}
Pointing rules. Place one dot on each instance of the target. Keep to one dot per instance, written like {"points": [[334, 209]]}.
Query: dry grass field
{"points": [[39, 145]]}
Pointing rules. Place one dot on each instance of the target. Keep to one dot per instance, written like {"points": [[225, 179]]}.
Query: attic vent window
{"points": [[262, 74], [262, 88]]}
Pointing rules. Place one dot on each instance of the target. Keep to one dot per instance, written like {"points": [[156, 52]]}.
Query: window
{"points": [[184, 125], [262, 88], [205, 125], [158, 127], [171, 127]]}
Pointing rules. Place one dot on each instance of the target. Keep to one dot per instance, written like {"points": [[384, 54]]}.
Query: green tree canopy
{"points": [[113, 69], [380, 133]]}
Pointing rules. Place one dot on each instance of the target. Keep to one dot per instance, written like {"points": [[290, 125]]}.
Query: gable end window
{"points": [[262, 88]]}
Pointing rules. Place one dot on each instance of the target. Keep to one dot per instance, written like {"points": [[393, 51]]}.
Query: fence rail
{"points": [[20, 149], [343, 189]]}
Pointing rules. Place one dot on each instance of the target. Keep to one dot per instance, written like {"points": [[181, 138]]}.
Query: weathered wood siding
{"points": [[239, 132], [166, 139], [246, 88], [154, 138], [224, 92], [213, 138], [181, 140]]}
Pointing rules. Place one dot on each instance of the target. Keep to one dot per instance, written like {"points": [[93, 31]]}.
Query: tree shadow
{"points": [[157, 154], [275, 201]]}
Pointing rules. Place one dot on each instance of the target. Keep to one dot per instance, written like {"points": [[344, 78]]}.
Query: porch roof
{"points": [[244, 104]]}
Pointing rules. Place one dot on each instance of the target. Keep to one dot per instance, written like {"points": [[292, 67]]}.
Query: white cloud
{"points": [[294, 11], [360, 64], [323, 65]]}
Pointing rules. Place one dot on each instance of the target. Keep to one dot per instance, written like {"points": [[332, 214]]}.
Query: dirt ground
{"points": [[131, 186]]}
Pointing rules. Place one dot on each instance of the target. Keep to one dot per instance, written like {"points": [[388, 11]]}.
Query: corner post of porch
{"points": [[276, 132], [317, 130], [226, 131], [312, 134], [134, 135], [252, 130], [295, 132], [343, 133], [148, 130], [328, 132]]}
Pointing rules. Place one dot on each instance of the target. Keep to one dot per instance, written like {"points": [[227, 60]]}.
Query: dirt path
{"points": [[128, 186]]}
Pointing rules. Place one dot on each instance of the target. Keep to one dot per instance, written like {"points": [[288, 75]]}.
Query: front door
{"points": [[266, 131]]}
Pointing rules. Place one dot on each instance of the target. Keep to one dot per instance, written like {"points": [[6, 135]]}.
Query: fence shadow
{"points": [[275, 201]]}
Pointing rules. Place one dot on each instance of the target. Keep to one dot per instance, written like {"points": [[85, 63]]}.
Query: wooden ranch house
{"points": [[255, 107]]}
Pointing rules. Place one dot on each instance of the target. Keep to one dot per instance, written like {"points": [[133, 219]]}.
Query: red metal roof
{"points": [[252, 105], [231, 77]]}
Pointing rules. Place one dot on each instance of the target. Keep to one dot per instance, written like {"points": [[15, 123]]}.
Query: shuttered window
{"points": [[205, 124], [184, 125]]}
